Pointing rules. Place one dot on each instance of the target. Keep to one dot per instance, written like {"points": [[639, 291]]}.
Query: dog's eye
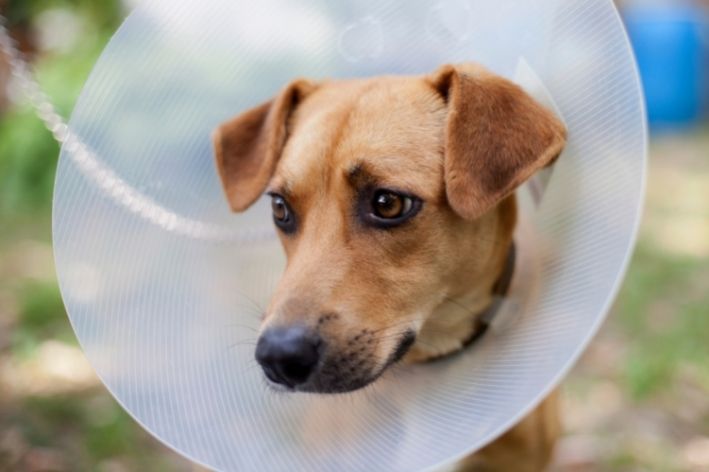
{"points": [[389, 205], [282, 214], [388, 209], [280, 210]]}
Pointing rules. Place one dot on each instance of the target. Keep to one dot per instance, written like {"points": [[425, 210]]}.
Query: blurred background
{"points": [[638, 400]]}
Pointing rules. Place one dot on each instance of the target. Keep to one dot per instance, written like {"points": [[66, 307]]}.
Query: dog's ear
{"points": [[496, 137], [247, 147]]}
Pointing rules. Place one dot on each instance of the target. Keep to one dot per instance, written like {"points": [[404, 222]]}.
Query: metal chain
{"points": [[21, 72], [101, 175]]}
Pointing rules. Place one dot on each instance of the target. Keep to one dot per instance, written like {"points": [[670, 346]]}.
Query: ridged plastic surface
{"points": [[164, 285]]}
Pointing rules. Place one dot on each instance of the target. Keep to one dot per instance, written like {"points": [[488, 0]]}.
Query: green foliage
{"points": [[663, 336], [41, 306], [27, 163], [28, 152], [103, 13], [42, 317], [115, 435], [107, 431], [47, 414]]}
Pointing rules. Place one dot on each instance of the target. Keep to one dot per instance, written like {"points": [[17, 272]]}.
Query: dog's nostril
{"points": [[297, 371], [288, 355]]}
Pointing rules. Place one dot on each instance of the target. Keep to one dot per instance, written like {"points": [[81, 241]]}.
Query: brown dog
{"points": [[394, 201]]}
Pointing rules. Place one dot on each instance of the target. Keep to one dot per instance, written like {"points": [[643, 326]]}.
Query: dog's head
{"points": [[393, 198]]}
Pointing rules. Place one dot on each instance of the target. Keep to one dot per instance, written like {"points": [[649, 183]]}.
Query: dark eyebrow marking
{"points": [[282, 190], [354, 171], [358, 175]]}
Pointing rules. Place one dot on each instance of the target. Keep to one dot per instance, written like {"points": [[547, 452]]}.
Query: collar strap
{"points": [[499, 292]]}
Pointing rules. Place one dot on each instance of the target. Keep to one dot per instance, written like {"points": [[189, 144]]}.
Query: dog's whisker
{"points": [[392, 326], [458, 304], [253, 303], [238, 325], [245, 342], [249, 310]]}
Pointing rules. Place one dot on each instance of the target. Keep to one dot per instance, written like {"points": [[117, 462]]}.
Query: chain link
{"points": [[101, 175]]}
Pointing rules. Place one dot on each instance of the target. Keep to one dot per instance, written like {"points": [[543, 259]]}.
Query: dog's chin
{"points": [[317, 386]]}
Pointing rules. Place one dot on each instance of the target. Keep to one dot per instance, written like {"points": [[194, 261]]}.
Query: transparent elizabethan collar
{"points": [[164, 286]]}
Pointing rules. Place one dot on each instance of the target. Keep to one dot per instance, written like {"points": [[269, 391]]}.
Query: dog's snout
{"points": [[288, 355]]}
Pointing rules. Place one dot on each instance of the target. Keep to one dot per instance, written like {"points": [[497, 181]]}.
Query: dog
{"points": [[394, 200]]}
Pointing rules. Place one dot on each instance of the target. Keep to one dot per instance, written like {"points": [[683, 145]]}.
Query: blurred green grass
{"points": [[653, 351], [41, 317], [662, 311], [27, 151]]}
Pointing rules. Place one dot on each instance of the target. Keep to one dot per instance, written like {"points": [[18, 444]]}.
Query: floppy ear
{"points": [[247, 147], [496, 137]]}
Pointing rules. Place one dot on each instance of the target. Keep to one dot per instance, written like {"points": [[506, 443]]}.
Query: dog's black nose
{"points": [[288, 355]]}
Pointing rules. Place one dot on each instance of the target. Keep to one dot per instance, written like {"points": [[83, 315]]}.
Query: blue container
{"points": [[672, 48]]}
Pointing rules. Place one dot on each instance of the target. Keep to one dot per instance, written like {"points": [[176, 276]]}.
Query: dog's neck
{"points": [[458, 322]]}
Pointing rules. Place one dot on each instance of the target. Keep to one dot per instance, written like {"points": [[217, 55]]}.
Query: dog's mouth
{"points": [[351, 366]]}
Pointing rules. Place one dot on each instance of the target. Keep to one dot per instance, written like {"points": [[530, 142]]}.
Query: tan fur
{"points": [[492, 117], [248, 147], [527, 447], [461, 140]]}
